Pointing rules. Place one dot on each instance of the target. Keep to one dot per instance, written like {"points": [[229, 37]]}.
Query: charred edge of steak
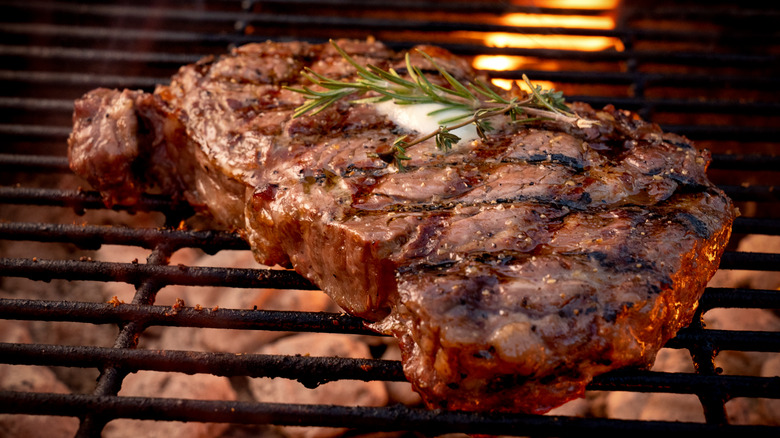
{"points": [[616, 325]]}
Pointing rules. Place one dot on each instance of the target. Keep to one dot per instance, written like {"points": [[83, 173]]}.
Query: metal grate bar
{"points": [[745, 162], [82, 79], [111, 377], [85, 54], [319, 370], [103, 313], [80, 201], [692, 106], [57, 133], [44, 131], [727, 340], [136, 11], [751, 225], [100, 313], [753, 261], [39, 104], [120, 34], [136, 273], [752, 193], [737, 297], [92, 236], [691, 338], [37, 163], [725, 132], [396, 418], [686, 383]]}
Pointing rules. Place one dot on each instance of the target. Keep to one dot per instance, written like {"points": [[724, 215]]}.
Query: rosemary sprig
{"points": [[474, 102]]}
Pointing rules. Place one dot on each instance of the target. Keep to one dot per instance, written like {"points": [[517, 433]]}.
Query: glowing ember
{"points": [[566, 21], [558, 42]]}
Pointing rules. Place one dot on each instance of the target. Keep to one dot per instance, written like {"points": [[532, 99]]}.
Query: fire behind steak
{"points": [[512, 270]]}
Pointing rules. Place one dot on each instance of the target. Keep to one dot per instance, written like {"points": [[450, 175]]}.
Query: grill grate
{"points": [[712, 76]]}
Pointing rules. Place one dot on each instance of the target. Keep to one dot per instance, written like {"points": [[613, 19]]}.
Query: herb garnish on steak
{"points": [[457, 106], [512, 268]]}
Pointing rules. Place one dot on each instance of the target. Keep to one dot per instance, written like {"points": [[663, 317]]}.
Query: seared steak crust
{"points": [[511, 270]]}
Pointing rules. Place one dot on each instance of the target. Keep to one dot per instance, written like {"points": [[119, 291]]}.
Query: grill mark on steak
{"points": [[508, 258], [511, 270], [552, 158], [692, 223], [574, 196]]}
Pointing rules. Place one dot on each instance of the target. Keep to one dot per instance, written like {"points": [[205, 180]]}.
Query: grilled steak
{"points": [[512, 270]]}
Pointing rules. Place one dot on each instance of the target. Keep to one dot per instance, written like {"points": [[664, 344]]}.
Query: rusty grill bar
{"points": [[53, 51], [391, 419]]}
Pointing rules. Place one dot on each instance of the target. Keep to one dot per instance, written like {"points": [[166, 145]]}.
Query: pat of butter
{"points": [[417, 117]]}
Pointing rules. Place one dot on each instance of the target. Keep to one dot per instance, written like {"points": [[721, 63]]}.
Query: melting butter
{"points": [[417, 117]]}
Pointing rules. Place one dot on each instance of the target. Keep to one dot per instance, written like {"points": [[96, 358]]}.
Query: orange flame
{"points": [[580, 4], [549, 41]]}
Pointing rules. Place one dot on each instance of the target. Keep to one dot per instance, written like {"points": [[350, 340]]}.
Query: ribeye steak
{"points": [[512, 270]]}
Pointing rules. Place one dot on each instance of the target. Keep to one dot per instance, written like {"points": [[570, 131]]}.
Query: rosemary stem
{"points": [[559, 117]]}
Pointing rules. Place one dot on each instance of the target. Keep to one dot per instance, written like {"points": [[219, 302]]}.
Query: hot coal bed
{"points": [[110, 316]]}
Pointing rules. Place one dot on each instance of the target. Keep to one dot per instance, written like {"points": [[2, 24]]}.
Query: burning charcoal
{"points": [[770, 408], [246, 299], [30, 379], [171, 385], [342, 392], [657, 406]]}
